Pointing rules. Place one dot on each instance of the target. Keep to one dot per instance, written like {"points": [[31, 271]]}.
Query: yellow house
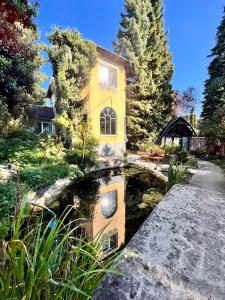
{"points": [[109, 214], [107, 102], [106, 105]]}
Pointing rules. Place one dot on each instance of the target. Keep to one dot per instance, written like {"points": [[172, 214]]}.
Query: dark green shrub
{"points": [[34, 157], [7, 206], [191, 162], [8, 148], [83, 158], [7, 199], [8, 203], [199, 152], [39, 177], [182, 156], [171, 149], [22, 141]]}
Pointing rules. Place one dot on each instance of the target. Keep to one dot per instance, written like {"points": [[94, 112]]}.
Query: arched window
{"points": [[108, 121], [109, 202]]}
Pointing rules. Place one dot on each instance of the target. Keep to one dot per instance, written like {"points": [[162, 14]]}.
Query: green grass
{"points": [[41, 263]]}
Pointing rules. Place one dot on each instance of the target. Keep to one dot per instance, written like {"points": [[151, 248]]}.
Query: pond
{"points": [[113, 204]]}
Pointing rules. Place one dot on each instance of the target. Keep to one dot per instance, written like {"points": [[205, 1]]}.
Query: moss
{"points": [[151, 198], [132, 171]]}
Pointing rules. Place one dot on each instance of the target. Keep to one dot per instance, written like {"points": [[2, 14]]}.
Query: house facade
{"points": [[41, 117], [106, 104], [109, 214], [106, 107]]}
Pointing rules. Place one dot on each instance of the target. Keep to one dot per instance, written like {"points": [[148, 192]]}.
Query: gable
{"points": [[178, 127]]}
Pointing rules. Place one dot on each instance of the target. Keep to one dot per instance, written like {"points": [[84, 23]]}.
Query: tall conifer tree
{"points": [[142, 40], [215, 85]]}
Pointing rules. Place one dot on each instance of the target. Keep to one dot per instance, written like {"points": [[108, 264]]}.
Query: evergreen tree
{"points": [[215, 85], [19, 58], [72, 59], [193, 118], [142, 40]]}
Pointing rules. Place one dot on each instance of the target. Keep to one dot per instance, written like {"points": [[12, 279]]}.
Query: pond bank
{"points": [[178, 253], [52, 193]]}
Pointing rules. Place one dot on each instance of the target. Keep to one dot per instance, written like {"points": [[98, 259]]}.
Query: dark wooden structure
{"points": [[216, 147], [178, 132]]}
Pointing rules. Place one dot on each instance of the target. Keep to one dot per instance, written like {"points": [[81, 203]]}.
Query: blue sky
{"points": [[191, 24]]}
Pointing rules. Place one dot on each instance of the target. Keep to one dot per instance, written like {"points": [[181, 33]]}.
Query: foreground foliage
{"points": [[176, 175], [44, 260]]}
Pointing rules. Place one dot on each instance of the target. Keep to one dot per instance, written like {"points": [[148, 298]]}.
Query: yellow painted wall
{"points": [[101, 96], [117, 221]]}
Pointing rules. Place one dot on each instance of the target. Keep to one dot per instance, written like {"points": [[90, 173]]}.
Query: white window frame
{"points": [[50, 123], [106, 81], [107, 242], [111, 118], [109, 199]]}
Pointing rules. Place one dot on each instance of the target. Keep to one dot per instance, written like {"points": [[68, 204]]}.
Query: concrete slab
{"points": [[209, 177], [178, 253]]}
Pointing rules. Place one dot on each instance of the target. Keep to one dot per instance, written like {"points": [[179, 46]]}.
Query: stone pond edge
{"points": [[53, 192]]}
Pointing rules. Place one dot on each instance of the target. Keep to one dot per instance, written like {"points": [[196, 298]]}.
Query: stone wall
{"points": [[111, 149], [177, 254]]}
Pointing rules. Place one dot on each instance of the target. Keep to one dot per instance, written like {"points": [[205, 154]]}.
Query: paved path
{"points": [[209, 177], [179, 252]]}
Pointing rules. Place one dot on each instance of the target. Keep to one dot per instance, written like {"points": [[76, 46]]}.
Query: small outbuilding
{"points": [[178, 132], [41, 117]]}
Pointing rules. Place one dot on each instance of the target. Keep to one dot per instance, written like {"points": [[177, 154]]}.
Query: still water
{"points": [[113, 203]]}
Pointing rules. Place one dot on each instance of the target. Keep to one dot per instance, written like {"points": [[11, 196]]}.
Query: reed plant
{"points": [[45, 260], [176, 175]]}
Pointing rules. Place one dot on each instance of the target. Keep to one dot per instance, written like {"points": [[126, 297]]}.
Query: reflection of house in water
{"points": [[109, 214]]}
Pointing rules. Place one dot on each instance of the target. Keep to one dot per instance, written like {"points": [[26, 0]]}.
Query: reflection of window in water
{"points": [[108, 203], [110, 242]]}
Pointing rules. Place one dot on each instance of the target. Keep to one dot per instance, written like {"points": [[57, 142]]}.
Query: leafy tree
{"points": [[142, 40], [214, 92], [185, 101], [72, 59], [19, 59]]}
